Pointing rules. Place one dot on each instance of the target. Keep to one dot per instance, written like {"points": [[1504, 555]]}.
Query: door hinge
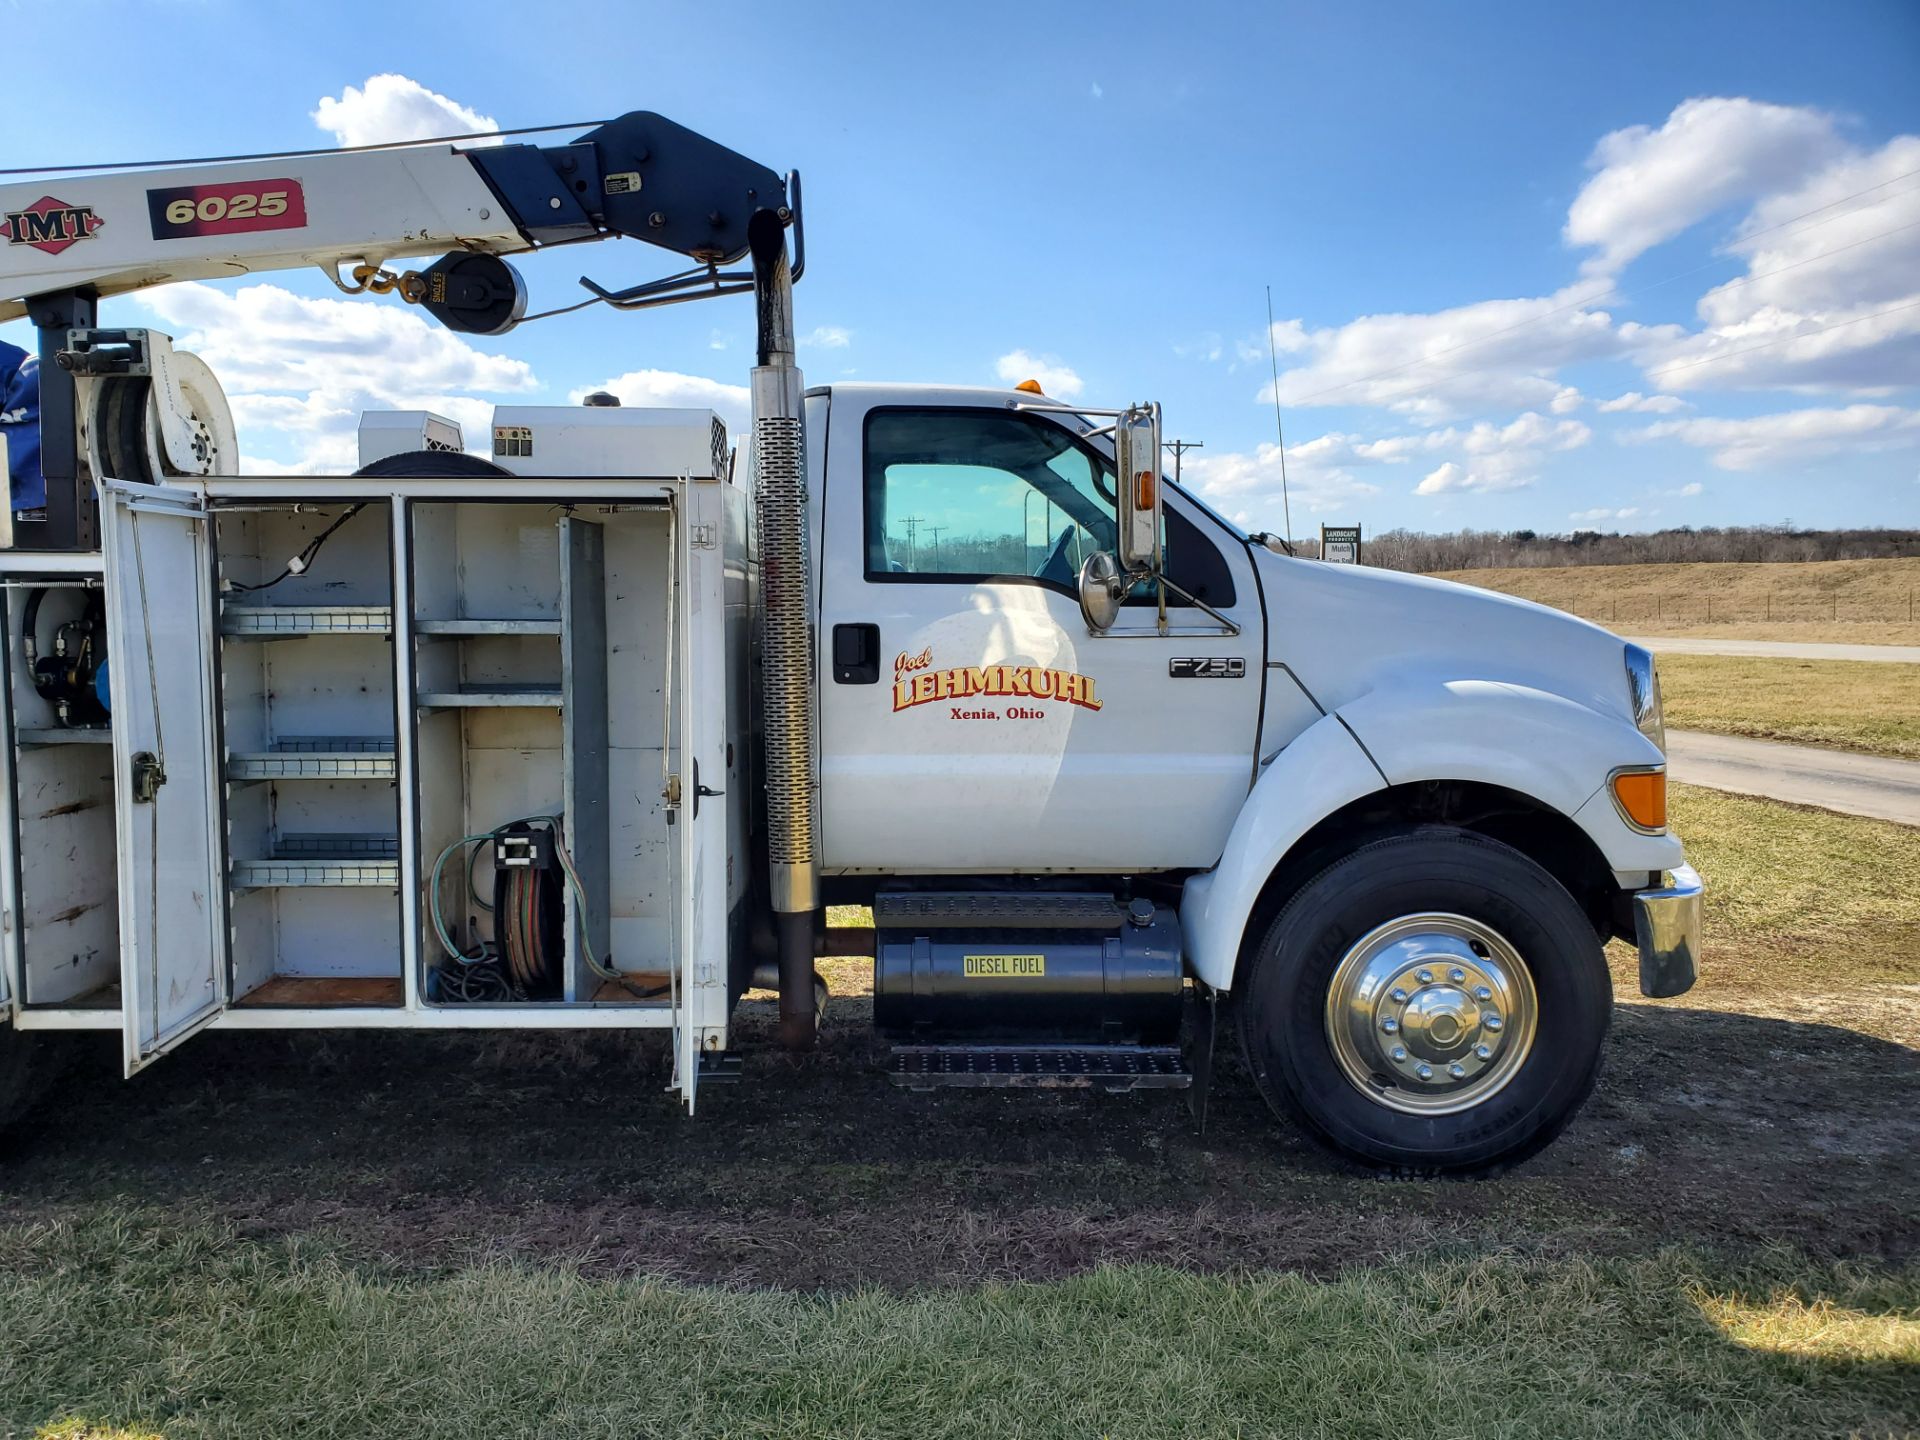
{"points": [[148, 776]]}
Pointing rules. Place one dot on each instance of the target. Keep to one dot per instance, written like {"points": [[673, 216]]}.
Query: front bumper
{"points": [[1666, 925]]}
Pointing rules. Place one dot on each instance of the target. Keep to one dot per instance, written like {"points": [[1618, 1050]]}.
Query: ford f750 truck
{"points": [[589, 730]]}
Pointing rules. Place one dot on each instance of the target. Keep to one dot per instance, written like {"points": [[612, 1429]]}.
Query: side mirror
{"points": [[1136, 454], [1102, 588]]}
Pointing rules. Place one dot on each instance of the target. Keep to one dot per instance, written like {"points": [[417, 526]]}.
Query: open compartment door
{"points": [[159, 643]]}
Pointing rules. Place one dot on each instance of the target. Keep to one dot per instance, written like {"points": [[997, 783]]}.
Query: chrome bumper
{"points": [[1666, 924]]}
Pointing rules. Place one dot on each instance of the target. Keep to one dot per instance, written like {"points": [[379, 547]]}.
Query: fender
{"points": [[1320, 770], [1541, 745]]}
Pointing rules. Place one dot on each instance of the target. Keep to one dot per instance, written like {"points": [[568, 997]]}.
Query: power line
{"points": [[1180, 448], [1610, 292], [1786, 339]]}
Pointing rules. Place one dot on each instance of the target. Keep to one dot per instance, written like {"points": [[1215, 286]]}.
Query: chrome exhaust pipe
{"points": [[786, 649]]}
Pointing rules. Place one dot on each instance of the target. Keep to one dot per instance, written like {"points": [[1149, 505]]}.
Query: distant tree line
{"points": [[1507, 549]]}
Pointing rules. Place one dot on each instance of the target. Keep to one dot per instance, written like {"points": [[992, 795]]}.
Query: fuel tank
{"points": [[1060, 967]]}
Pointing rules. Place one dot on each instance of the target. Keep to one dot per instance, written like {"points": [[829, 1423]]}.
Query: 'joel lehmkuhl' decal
{"points": [[915, 684]]}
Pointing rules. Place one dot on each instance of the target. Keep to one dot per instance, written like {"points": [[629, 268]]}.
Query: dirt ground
{"points": [[1708, 1127]]}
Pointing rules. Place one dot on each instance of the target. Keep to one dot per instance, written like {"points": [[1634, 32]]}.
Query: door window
{"points": [[972, 495]]}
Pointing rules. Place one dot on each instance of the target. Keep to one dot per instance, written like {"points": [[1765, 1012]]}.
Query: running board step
{"points": [[1050, 1067]]}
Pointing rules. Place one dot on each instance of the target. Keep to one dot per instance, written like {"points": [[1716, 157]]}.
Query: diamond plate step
{"points": [[1040, 1067]]}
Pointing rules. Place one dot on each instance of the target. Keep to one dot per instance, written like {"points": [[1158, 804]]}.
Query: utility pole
{"points": [[1179, 448], [933, 534], [913, 524]]}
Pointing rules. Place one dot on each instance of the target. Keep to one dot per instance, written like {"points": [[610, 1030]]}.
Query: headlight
{"points": [[1643, 694]]}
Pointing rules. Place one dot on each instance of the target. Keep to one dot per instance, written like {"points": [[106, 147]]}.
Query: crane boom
{"points": [[640, 176]]}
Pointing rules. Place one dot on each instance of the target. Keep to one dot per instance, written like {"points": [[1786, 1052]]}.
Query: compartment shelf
{"points": [[317, 757], [492, 694], [61, 735], [487, 627], [323, 860], [270, 622]]}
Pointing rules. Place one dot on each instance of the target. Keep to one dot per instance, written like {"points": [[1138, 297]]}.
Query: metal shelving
{"points": [[56, 735], [464, 626], [272, 622], [317, 859], [317, 757], [495, 694]]}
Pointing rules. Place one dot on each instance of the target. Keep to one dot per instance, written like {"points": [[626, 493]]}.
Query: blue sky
{"points": [[1486, 227]]}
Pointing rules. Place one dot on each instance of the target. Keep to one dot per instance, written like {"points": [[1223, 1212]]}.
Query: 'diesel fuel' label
{"points": [[990, 967], [228, 209]]}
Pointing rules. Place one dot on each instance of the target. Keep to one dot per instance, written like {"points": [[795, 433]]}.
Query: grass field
{"points": [[366, 1235], [1846, 704], [1859, 601]]}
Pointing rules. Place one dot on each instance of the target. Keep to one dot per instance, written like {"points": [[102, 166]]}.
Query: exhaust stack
{"points": [[786, 663]]}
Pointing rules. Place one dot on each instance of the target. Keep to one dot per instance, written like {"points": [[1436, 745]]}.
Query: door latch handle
{"points": [[148, 776]]}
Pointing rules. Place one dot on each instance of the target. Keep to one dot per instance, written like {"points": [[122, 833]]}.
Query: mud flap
{"points": [[1203, 1025]]}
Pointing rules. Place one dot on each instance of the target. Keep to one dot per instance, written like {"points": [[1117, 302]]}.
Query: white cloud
{"points": [[1690, 489], [1826, 260], [1493, 354], [298, 372], [393, 107], [828, 337], [1096, 91], [1633, 400], [1649, 185], [1595, 517], [1247, 486], [1058, 380], [262, 337], [1766, 441], [1567, 401], [672, 389]]}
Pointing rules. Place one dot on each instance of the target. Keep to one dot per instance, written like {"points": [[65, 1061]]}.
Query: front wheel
{"points": [[1434, 1002]]}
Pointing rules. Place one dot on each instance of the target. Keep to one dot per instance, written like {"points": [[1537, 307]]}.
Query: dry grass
{"points": [[1859, 601], [1846, 704], [1810, 915]]}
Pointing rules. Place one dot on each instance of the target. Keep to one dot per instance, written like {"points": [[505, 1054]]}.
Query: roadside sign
{"points": [[1340, 544]]}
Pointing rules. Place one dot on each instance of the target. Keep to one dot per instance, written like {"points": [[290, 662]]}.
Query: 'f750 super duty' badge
{"points": [[1208, 667]]}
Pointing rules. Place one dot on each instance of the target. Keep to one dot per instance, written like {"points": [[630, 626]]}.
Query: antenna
{"points": [[1273, 356]]}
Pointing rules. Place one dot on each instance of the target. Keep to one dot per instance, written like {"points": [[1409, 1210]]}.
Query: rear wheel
{"points": [[1434, 1002]]}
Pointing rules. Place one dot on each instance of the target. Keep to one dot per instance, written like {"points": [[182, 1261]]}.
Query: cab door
{"points": [[970, 721], [159, 643]]}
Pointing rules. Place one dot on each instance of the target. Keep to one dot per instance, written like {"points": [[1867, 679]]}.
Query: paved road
{"points": [[1779, 649], [1832, 779]]}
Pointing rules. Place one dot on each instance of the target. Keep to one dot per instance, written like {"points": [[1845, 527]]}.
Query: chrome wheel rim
{"points": [[1431, 1014]]}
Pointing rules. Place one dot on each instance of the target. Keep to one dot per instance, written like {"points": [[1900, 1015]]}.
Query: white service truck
{"points": [[589, 733]]}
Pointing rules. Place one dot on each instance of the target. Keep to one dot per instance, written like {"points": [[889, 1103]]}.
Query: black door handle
{"points": [[856, 654]]}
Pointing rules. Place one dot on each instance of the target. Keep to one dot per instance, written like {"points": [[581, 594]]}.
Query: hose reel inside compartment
{"points": [[1065, 967]]}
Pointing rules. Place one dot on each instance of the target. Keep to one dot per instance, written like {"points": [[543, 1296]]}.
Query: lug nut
{"points": [[1400, 995], [1399, 1052], [1389, 1025], [1456, 974], [1457, 1070], [1425, 1072], [1485, 1052], [1492, 1022], [1425, 977], [1481, 992]]}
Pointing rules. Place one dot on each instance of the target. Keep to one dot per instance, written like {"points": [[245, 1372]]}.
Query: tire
{"points": [[433, 465], [1455, 939]]}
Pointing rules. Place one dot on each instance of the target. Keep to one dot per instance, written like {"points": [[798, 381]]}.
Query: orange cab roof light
{"points": [[1031, 387]]}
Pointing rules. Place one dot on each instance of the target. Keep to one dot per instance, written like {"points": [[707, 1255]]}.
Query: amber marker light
{"points": [[1031, 387], [1143, 490], [1642, 798]]}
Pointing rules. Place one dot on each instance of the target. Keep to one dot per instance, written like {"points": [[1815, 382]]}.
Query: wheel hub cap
{"points": [[1431, 1013]]}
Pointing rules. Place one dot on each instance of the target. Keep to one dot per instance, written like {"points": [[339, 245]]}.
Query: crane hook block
{"points": [[474, 293]]}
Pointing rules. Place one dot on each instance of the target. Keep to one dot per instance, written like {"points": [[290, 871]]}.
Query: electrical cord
{"points": [[302, 562]]}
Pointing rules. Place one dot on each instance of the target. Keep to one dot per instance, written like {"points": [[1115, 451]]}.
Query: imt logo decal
{"points": [[51, 225], [915, 682]]}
